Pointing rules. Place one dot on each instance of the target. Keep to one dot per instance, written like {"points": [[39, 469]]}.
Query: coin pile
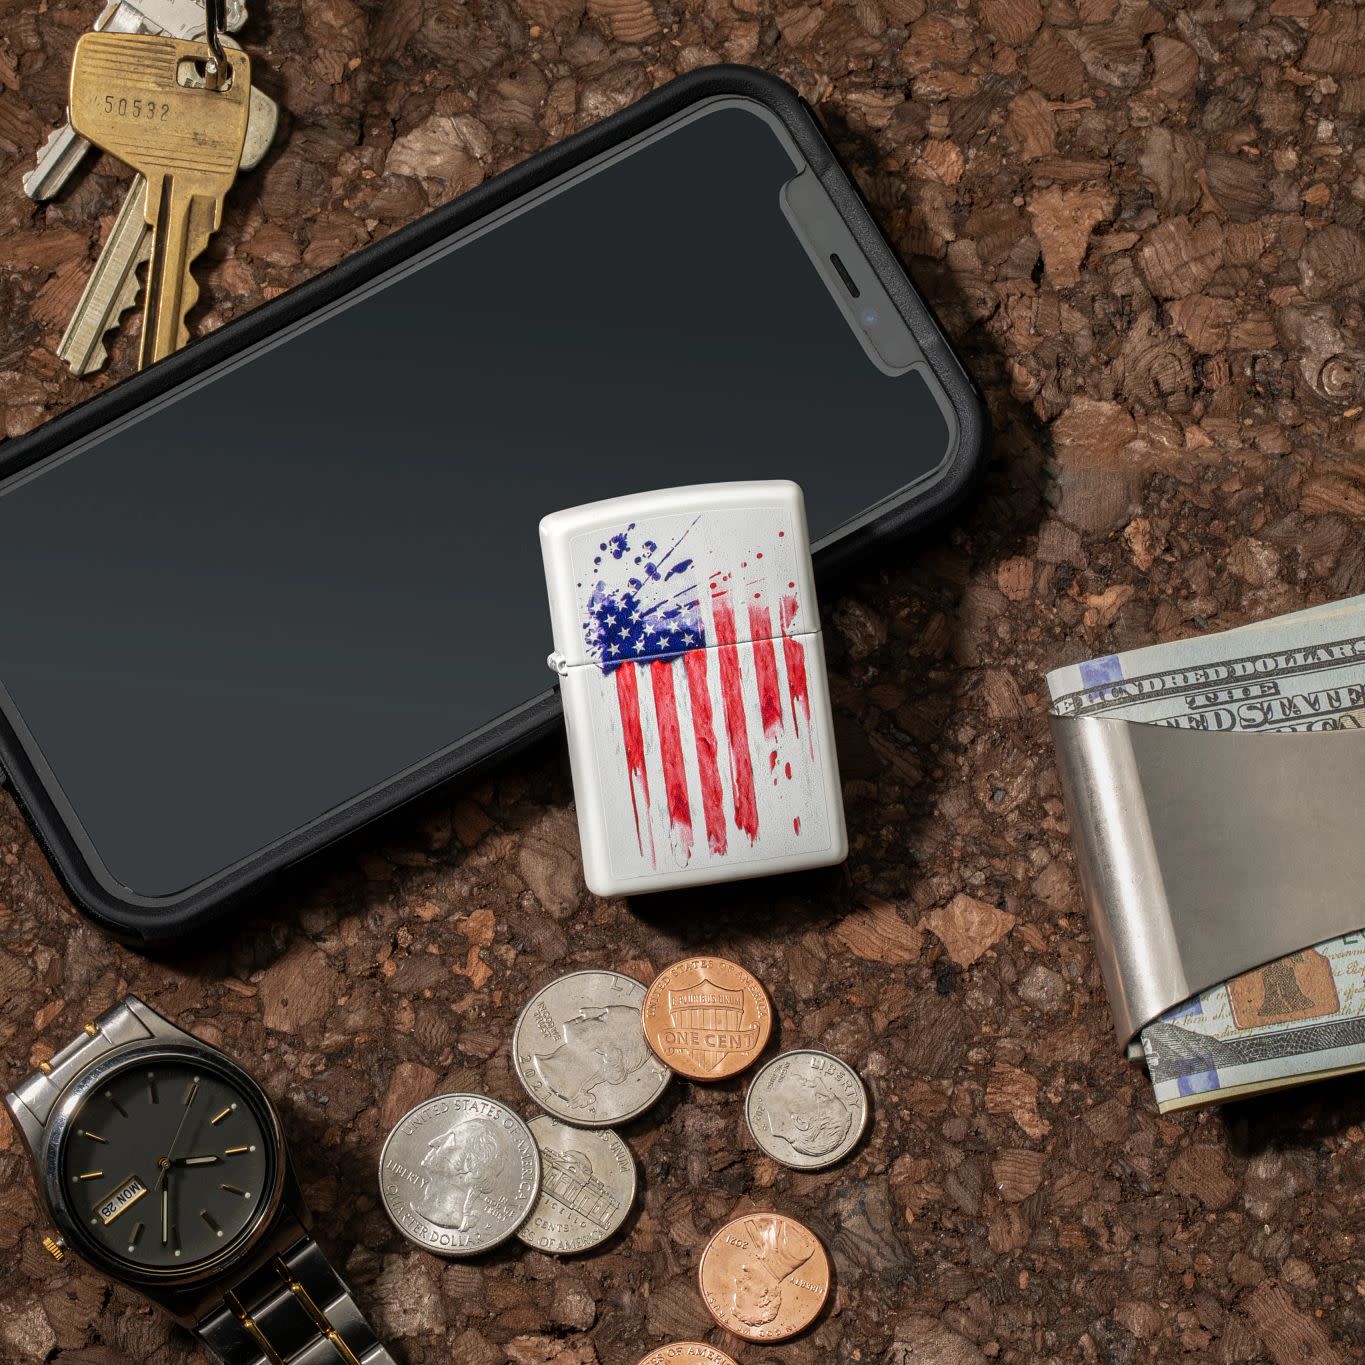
{"points": [[461, 1173], [579, 1050]]}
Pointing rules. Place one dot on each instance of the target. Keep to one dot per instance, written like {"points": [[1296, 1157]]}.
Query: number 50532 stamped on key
{"points": [[122, 107]]}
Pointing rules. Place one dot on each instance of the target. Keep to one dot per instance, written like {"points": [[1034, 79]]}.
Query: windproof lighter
{"points": [[692, 672]]}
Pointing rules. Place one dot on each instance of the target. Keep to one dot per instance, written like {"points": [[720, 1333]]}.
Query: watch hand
{"points": [[165, 1214], [180, 1128], [194, 1160]]}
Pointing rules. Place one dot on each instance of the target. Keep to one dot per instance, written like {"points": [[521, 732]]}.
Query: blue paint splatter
{"points": [[630, 620]]}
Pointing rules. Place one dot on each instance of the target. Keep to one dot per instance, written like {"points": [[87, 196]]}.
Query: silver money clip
{"points": [[1204, 854]]}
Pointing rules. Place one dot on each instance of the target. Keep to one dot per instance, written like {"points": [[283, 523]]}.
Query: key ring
{"points": [[216, 68]]}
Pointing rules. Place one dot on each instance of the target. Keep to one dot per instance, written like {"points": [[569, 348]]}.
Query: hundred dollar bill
{"points": [[1299, 672], [1301, 1017]]}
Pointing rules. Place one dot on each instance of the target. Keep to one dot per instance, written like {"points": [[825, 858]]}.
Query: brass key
{"points": [[144, 99]]}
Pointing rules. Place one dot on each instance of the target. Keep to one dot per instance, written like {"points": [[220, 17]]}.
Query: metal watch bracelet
{"points": [[295, 1309], [114, 1028]]}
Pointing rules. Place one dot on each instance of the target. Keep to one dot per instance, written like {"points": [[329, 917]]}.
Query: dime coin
{"points": [[806, 1109], [696, 1351], [587, 1187], [764, 1277], [580, 1051], [707, 1018], [458, 1174]]}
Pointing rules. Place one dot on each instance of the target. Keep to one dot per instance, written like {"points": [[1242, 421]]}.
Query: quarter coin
{"points": [[458, 1174], [697, 1351], [764, 1277], [579, 1049], [707, 1018], [587, 1187], [806, 1109]]}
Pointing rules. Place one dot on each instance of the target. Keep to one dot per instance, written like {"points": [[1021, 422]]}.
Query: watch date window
{"points": [[121, 1200]]}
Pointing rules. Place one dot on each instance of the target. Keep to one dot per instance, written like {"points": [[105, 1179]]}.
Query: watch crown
{"points": [[55, 1247]]}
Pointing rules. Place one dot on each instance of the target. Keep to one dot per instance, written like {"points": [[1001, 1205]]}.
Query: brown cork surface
{"points": [[1142, 226]]}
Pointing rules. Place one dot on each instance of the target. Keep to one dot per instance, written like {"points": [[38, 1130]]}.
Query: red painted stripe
{"points": [[736, 728], [704, 732], [765, 668], [671, 750], [628, 700], [794, 654]]}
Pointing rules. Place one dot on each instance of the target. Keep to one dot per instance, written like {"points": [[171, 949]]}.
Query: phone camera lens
{"points": [[870, 317]]}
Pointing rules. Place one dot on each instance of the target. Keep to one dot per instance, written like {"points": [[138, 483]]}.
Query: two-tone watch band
{"points": [[114, 1028], [292, 1310], [296, 1310]]}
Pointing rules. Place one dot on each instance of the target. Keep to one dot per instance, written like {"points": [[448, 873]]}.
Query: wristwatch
{"points": [[163, 1165]]}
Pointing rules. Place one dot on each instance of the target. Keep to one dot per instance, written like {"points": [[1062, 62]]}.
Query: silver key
{"points": [[113, 286], [59, 156]]}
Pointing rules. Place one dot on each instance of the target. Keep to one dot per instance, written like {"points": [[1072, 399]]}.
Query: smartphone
{"points": [[289, 578]]}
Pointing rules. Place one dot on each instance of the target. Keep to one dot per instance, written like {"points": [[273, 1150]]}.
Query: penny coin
{"points": [[707, 1018], [579, 1049], [764, 1277], [587, 1187], [459, 1173], [806, 1109], [697, 1351]]}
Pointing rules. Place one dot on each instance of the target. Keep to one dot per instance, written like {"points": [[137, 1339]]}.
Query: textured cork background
{"points": [[1141, 224]]}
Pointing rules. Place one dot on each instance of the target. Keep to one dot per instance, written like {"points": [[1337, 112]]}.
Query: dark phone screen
{"points": [[280, 589]]}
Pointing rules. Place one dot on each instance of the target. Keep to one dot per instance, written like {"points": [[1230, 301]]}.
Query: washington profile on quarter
{"points": [[579, 1049], [587, 1187], [459, 1174], [806, 1109], [707, 1018], [680, 1352], [764, 1277]]}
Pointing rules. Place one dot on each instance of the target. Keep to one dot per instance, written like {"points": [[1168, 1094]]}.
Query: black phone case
{"points": [[142, 919]]}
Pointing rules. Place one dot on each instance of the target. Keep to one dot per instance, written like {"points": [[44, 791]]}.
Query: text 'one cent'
{"points": [[707, 1018]]}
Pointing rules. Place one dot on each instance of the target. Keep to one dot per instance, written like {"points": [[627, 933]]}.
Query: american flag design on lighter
{"points": [[698, 639]]}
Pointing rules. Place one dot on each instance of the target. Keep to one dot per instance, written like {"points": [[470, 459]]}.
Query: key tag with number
{"points": [[175, 110]]}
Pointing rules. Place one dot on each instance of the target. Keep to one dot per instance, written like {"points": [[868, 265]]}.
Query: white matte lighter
{"points": [[692, 673]]}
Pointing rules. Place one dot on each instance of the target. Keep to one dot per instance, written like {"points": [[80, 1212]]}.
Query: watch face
{"points": [[166, 1163]]}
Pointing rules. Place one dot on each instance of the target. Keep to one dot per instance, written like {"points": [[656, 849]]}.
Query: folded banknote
{"points": [[1301, 1017]]}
